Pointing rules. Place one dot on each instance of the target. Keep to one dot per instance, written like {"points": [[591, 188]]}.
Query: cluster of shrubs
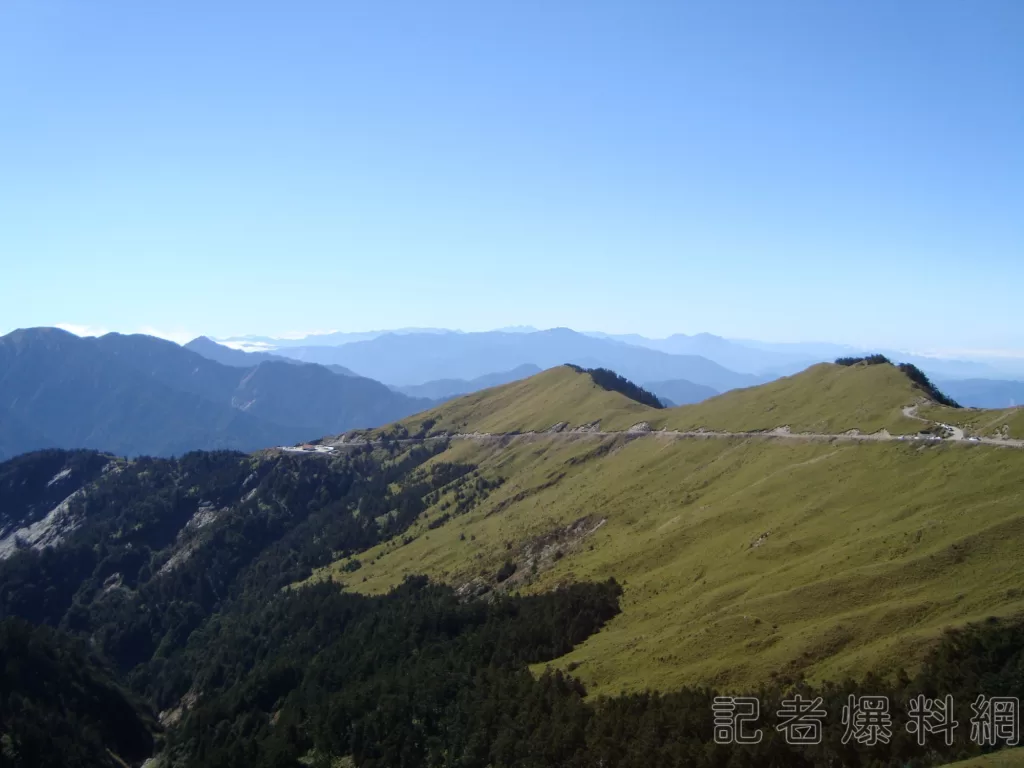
{"points": [[868, 360]]}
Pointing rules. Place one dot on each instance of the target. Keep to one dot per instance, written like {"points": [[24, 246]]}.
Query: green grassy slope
{"points": [[556, 395], [825, 398], [743, 559]]}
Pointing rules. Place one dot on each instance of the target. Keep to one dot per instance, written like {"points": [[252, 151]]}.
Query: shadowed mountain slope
{"points": [[32, 485], [317, 399], [72, 393], [224, 355], [141, 395], [61, 707], [680, 391]]}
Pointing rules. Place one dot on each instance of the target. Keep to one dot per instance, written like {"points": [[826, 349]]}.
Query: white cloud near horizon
{"points": [[246, 346], [83, 330], [284, 336]]}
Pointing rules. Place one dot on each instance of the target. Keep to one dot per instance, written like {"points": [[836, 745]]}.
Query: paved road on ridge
{"points": [[642, 430]]}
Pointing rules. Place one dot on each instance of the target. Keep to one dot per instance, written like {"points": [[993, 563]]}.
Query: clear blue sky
{"points": [[850, 171]]}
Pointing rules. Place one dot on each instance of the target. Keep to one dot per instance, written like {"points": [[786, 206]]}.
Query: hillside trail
{"points": [[910, 411], [954, 434]]}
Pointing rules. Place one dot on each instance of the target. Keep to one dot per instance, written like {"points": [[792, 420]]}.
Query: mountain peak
{"points": [[563, 395], [560, 331], [826, 398], [41, 334]]}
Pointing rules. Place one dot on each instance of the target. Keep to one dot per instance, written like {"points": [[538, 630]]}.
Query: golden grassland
{"points": [[742, 559]]}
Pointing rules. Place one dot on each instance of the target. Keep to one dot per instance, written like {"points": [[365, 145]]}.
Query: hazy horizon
{"points": [[239, 340]]}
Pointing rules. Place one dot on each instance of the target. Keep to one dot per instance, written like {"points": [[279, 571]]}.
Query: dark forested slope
{"points": [[59, 706]]}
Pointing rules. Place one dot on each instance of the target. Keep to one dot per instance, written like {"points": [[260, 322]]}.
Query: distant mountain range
{"points": [[331, 339], [434, 370], [416, 358], [680, 391], [766, 360], [730, 354], [985, 393], [237, 358], [138, 394], [445, 389], [442, 355]]}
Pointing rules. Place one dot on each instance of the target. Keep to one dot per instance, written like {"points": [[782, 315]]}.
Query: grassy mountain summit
{"points": [[558, 395], [824, 399]]}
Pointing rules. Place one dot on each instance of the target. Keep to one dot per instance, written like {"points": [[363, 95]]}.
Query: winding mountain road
{"points": [[953, 434]]}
